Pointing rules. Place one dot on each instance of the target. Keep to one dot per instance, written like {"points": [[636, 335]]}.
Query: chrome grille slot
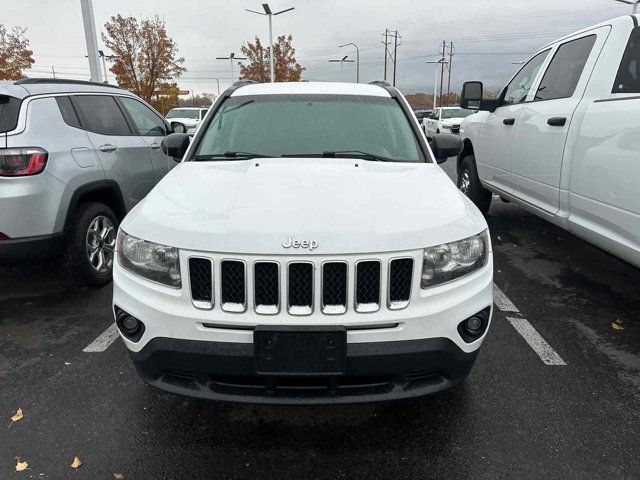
{"points": [[201, 281], [266, 293], [400, 274], [233, 286], [334, 288], [368, 286], [300, 288]]}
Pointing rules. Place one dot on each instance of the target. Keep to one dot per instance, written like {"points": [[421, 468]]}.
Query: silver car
{"points": [[75, 157]]}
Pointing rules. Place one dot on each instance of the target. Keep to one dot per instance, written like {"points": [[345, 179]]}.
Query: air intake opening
{"points": [[201, 281], [334, 288], [300, 291], [400, 274], [266, 288], [368, 286], [232, 286]]}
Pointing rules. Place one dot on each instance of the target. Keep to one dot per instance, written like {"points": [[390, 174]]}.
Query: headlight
{"points": [[155, 262], [444, 263]]}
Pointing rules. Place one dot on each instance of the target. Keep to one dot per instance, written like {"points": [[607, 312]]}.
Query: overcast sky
{"points": [[488, 34]]}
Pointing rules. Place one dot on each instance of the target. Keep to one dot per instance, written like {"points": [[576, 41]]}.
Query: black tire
{"points": [[76, 262], [469, 184]]}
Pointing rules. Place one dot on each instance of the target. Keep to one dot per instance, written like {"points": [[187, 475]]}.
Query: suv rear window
{"points": [[101, 114], [9, 110], [628, 78]]}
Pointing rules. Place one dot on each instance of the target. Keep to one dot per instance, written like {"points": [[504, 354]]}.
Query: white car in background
{"points": [[190, 117], [445, 120]]}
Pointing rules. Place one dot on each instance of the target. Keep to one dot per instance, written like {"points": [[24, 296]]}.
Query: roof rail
{"points": [[380, 83], [241, 83], [60, 81]]}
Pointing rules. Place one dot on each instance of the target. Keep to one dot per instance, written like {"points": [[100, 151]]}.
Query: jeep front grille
{"points": [[367, 285], [334, 288], [400, 273], [266, 288], [300, 288], [201, 280], [233, 286]]}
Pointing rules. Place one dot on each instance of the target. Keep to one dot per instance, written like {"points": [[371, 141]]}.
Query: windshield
{"points": [[183, 113], [310, 125], [456, 113]]}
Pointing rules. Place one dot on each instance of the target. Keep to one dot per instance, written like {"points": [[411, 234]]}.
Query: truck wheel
{"points": [[90, 253], [469, 184]]}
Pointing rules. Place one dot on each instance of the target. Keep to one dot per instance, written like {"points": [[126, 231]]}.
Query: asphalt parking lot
{"points": [[555, 392]]}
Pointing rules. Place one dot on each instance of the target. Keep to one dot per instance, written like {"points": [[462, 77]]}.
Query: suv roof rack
{"points": [[241, 83], [63, 81], [380, 83]]}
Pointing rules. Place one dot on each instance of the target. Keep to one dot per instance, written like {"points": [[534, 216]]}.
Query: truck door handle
{"points": [[557, 121], [107, 148], [509, 121], [155, 146]]}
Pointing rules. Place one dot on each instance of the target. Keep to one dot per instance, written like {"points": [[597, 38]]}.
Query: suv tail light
{"points": [[4, 236], [17, 162]]}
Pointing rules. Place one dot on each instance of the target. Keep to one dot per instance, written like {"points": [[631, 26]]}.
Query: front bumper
{"points": [[379, 371]]}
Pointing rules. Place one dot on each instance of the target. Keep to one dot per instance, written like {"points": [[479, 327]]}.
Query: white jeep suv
{"points": [[307, 249]]}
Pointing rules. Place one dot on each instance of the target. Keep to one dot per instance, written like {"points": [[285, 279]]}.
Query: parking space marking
{"points": [[502, 301], [539, 345], [102, 342]]}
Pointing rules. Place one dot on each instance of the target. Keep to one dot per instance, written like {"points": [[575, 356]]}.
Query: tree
{"points": [[285, 66], [145, 59], [15, 55], [202, 100]]}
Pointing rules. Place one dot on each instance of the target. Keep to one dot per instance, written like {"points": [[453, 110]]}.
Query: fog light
{"points": [[473, 325], [130, 324]]}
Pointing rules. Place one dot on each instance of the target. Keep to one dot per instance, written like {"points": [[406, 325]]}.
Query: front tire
{"points": [[90, 253], [469, 184]]}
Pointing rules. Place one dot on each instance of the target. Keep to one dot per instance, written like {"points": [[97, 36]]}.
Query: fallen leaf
{"points": [[67, 363], [617, 326], [18, 416], [118, 476], [76, 462], [20, 466]]}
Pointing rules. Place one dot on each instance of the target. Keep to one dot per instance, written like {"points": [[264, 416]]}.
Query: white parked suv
{"points": [[283, 263], [563, 138], [191, 117], [445, 120]]}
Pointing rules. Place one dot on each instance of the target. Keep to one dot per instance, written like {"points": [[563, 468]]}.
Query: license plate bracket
{"points": [[292, 350]]}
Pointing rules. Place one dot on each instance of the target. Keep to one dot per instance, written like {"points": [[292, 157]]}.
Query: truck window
{"points": [[628, 78], [519, 87], [564, 71]]}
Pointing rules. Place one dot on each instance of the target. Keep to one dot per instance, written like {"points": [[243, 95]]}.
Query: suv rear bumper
{"points": [[31, 248], [377, 371]]}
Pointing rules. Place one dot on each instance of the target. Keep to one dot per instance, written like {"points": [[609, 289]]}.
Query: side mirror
{"points": [[175, 145], [178, 127], [471, 95], [445, 145]]}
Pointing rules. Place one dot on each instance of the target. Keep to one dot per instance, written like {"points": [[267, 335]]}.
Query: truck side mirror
{"points": [[445, 145], [175, 145], [471, 95]]}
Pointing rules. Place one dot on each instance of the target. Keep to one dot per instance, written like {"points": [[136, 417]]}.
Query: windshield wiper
{"points": [[231, 154], [352, 153]]}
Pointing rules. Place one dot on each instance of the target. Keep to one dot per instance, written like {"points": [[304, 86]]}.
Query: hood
{"points": [[453, 121], [343, 205]]}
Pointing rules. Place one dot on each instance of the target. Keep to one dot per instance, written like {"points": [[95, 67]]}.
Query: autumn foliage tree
{"points": [[285, 66], [145, 59], [15, 55]]}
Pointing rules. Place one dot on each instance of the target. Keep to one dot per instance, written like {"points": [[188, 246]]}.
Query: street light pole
{"points": [[231, 58], [357, 59], [442, 61], [341, 60], [91, 39], [270, 14], [631, 2]]}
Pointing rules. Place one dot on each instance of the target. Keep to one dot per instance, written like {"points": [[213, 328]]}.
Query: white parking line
{"points": [[535, 341], [502, 301], [102, 342]]}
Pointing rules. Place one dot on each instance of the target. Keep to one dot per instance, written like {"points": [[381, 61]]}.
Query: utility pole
{"points": [[450, 66], [53, 71], [388, 54], [442, 61], [91, 39], [442, 66]]}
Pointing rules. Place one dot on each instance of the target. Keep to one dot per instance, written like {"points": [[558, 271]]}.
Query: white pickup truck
{"points": [[562, 139]]}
